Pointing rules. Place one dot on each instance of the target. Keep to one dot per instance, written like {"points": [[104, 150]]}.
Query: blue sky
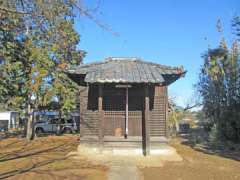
{"points": [[169, 32]]}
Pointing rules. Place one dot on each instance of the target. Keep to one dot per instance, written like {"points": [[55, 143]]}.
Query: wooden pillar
{"points": [[146, 122], [126, 114], [100, 111]]}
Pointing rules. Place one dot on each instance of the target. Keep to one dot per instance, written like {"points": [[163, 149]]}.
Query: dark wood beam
{"points": [[100, 111], [126, 114], [146, 137]]}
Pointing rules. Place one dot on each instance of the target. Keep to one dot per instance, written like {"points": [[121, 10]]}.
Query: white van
{"points": [[9, 120]]}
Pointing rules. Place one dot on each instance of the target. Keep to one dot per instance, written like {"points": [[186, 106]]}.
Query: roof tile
{"points": [[126, 70]]}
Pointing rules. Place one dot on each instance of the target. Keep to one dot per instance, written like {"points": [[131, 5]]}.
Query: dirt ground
{"points": [[45, 158], [196, 165]]}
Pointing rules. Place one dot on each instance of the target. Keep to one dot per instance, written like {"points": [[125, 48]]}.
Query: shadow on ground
{"points": [[45, 158], [36, 156], [198, 140]]}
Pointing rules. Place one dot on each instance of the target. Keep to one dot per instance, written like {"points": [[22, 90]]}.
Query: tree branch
{"points": [[86, 13], [190, 107], [12, 10]]}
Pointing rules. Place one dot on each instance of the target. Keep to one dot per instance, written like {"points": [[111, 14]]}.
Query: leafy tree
{"points": [[13, 57], [37, 42], [175, 115], [219, 87]]}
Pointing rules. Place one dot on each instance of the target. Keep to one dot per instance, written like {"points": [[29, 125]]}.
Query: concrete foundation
{"points": [[163, 150], [126, 156]]}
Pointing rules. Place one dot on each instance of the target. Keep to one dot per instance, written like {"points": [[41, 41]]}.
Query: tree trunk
{"points": [[58, 123], [59, 128], [30, 124], [177, 126]]}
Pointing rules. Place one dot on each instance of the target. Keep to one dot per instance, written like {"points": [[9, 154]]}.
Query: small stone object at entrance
{"points": [[118, 132]]}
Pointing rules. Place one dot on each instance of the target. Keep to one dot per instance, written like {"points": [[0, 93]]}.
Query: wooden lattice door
{"points": [[114, 104], [135, 112], [114, 112]]}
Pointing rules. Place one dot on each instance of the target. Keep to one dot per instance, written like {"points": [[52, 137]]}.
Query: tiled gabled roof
{"points": [[127, 70]]}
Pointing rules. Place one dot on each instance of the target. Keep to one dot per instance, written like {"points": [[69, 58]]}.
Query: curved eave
{"points": [[77, 78], [169, 79]]}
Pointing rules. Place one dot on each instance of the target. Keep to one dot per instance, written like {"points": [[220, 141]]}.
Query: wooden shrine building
{"points": [[124, 102]]}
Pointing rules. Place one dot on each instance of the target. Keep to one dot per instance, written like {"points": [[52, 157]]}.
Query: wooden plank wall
{"points": [[158, 112], [88, 118]]}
